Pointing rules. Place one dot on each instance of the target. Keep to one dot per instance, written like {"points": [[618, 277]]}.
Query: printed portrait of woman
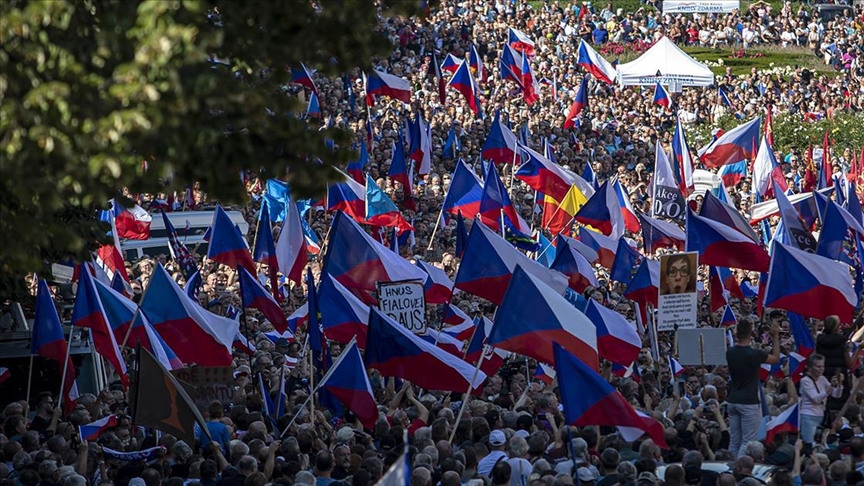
{"points": [[678, 274]]}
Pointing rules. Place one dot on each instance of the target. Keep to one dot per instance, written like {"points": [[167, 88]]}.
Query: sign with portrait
{"points": [[405, 303], [678, 298]]}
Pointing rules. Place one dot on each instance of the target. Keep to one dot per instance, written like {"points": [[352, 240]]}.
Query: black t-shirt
{"points": [[744, 363]]}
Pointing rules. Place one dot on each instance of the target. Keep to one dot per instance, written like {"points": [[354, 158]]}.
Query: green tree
{"points": [[92, 88]]}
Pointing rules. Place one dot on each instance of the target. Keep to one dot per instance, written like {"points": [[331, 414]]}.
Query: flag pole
{"points": [[467, 396], [65, 365], [312, 387], [323, 380], [29, 378], [435, 229]]}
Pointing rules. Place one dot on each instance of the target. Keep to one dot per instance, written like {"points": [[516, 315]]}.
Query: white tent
{"points": [[675, 68]]}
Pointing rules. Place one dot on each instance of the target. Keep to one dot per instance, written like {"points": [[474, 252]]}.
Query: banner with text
{"points": [[405, 302], [698, 6], [676, 307]]}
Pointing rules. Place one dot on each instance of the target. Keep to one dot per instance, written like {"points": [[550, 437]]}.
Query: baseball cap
{"points": [[345, 434], [646, 477], [497, 438], [585, 474]]}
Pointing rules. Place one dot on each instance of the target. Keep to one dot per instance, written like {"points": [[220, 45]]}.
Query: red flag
{"points": [[826, 159], [809, 172], [769, 125]]}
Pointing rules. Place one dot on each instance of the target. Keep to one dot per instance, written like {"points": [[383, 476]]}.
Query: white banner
{"points": [[405, 302], [694, 6]]}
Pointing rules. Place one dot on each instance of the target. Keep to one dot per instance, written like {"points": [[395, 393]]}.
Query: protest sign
{"points": [[704, 346], [207, 384], [677, 303], [405, 303]]}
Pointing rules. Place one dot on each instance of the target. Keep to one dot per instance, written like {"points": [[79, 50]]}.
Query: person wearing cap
{"points": [[497, 439], [585, 476], [646, 478]]}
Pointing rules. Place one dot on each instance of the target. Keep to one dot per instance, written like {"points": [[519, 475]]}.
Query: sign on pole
{"points": [[677, 303], [405, 303], [699, 6]]}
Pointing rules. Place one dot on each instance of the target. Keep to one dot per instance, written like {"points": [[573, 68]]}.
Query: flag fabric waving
{"points": [[227, 245], [347, 381], [617, 339], [49, 342]]}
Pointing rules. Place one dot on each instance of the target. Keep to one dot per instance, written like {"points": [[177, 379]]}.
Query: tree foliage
{"points": [[91, 88]]}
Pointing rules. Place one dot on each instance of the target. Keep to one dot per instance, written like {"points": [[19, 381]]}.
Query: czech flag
{"points": [[5, 374], [733, 146], [400, 171], [594, 63], [379, 83], [343, 316], [463, 82], [579, 103], [733, 173], [804, 342], [87, 312], [395, 351], [454, 316], [464, 194], [810, 285], [451, 63], [314, 108], [438, 286], [291, 249], [595, 401], [627, 262], [723, 285], [661, 96], [264, 250], [728, 319], [255, 296], [722, 245], [357, 261], [716, 210], [348, 382], [90, 432], [532, 317], [545, 373], [675, 367], [602, 244], [298, 318], [303, 76], [349, 197], [658, 234], [500, 145], [631, 221], [840, 235], [520, 41], [496, 201], [683, 160], [543, 175], [121, 312], [530, 87], [489, 263], [510, 65], [788, 421], [617, 339], [766, 170], [797, 366], [603, 211], [579, 272], [196, 335], [131, 223], [493, 358], [586, 251], [48, 341], [227, 245]]}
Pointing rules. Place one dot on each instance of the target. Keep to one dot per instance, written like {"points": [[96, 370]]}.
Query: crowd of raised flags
{"points": [[554, 274]]}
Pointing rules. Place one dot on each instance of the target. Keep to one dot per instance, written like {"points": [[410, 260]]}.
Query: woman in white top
{"points": [[815, 389]]}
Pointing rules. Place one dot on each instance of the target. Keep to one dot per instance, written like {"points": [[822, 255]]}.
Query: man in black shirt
{"points": [[743, 405]]}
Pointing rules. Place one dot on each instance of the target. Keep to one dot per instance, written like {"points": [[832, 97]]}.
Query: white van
{"points": [[198, 224]]}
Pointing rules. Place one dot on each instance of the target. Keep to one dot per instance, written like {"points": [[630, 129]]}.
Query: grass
{"points": [[770, 57]]}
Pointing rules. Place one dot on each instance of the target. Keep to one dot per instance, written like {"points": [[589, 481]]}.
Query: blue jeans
{"points": [[808, 425], [743, 425]]}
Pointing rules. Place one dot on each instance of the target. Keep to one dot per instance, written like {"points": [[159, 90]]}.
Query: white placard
{"points": [[676, 306], [405, 303], [696, 6], [677, 309]]}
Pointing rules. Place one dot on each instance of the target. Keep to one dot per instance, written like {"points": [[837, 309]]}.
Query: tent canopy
{"points": [[674, 65]]}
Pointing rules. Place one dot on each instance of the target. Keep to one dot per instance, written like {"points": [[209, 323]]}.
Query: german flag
{"points": [[160, 401]]}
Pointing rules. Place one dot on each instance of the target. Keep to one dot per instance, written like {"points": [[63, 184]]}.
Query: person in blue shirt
{"points": [[218, 431], [600, 34]]}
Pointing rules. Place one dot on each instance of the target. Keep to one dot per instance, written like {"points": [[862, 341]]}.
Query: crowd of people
{"points": [[514, 431]]}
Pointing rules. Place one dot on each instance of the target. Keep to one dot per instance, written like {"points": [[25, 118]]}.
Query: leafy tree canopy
{"points": [[92, 88]]}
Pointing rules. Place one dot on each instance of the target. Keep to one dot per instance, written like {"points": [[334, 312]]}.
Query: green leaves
{"points": [[91, 88]]}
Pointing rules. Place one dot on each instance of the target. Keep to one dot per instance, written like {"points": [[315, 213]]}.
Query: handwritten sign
{"points": [[207, 384], [405, 303]]}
